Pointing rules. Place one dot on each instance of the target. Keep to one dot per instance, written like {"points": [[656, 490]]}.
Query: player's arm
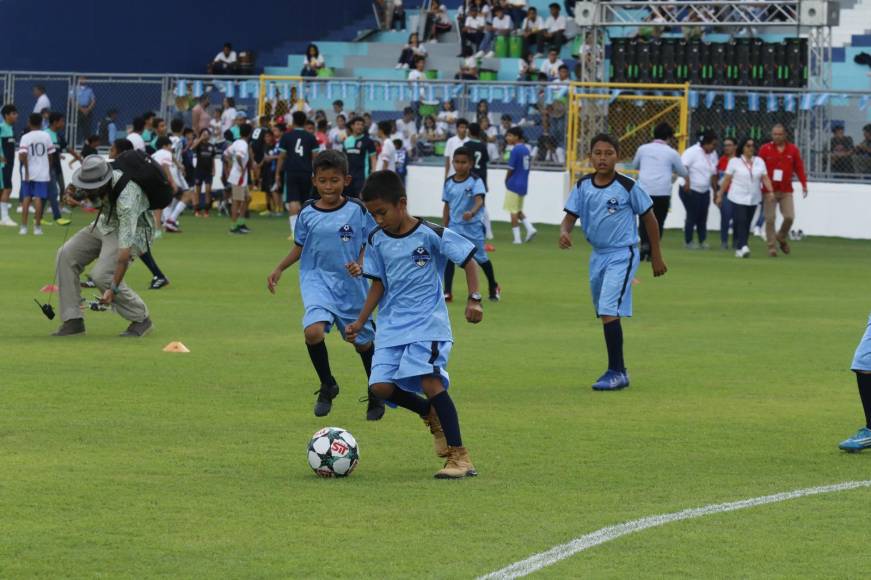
{"points": [[282, 155], [565, 230], [474, 312], [652, 227], [376, 291], [355, 269], [477, 204], [288, 261]]}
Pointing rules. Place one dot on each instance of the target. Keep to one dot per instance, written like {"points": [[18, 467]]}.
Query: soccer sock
{"points": [[449, 277], [447, 413], [4, 210], [488, 228], [528, 225], [864, 381], [149, 262], [410, 401], [614, 342], [321, 361], [179, 209], [491, 277], [292, 221], [516, 231], [366, 357]]}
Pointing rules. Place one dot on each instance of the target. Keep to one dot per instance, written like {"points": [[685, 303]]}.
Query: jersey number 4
{"points": [[298, 148]]}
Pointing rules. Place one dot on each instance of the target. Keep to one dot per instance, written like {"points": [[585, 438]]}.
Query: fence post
{"points": [[72, 111]]}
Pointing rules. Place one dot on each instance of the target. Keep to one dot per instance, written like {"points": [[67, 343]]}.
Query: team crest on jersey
{"points": [[420, 257], [612, 205], [346, 233]]}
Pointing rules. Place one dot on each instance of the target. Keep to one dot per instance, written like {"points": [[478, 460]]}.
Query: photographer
{"points": [[123, 226]]}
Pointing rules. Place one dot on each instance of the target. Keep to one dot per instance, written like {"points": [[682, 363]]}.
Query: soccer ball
{"points": [[333, 452]]}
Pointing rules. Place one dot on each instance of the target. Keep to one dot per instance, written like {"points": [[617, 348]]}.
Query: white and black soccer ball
{"points": [[333, 452]]}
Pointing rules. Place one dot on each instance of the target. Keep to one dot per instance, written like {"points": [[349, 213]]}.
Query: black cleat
{"points": [[158, 283], [325, 394], [374, 407]]}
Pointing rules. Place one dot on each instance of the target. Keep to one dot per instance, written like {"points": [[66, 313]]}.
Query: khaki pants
{"points": [[787, 210], [82, 249]]}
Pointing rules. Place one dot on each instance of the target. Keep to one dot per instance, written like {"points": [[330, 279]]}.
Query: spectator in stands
{"points": [[490, 136], [555, 28], [406, 128], [517, 9], [473, 31], [501, 23], [297, 103], [563, 76], [483, 110], [338, 133], [447, 118], [411, 51], [528, 68], [863, 152], [85, 103], [200, 116], [437, 20], [841, 150], [398, 15], [108, 128], [552, 64], [468, 66], [312, 62], [532, 30], [782, 160], [225, 62], [42, 100], [429, 135], [391, 14]]}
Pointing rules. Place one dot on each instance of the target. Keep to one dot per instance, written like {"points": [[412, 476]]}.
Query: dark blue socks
{"points": [[614, 342]]}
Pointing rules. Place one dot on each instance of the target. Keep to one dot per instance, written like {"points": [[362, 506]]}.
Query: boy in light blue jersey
{"points": [[606, 203], [862, 367], [405, 258], [463, 212], [329, 244]]}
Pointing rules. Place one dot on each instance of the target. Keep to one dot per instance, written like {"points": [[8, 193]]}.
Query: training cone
{"points": [[49, 289], [176, 346]]}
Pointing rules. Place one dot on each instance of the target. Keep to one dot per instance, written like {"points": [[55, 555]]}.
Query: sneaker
{"points": [[47, 222], [244, 229], [739, 254], [63, 222], [22, 231], [171, 227], [236, 230], [325, 394], [705, 246], [530, 235], [158, 234], [612, 381], [137, 329], [449, 297], [8, 222], [724, 245], [197, 213], [757, 231], [489, 248], [517, 242], [439, 443], [784, 246], [490, 54], [65, 209], [37, 230], [458, 465], [745, 252], [398, 65], [772, 253], [496, 296], [691, 246], [88, 283], [374, 407], [158, 283], [861, 440], [71, 327]]}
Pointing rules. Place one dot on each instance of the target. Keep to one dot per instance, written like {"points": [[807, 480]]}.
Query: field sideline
{"points": [[119, 460]]}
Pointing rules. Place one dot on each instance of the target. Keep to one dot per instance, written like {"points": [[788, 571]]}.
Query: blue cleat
{"points": [[861, 440], [612, 381]]}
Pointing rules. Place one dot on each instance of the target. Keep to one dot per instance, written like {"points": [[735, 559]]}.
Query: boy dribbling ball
{"points": [[862, 367], [405, 257], [329, 244], [606, 203]]}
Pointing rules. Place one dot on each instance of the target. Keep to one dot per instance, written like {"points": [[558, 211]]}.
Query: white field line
{"points": [[585, 542]]}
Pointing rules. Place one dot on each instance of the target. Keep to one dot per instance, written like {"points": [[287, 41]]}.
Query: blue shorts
{"points": [[315, 314], [611, 274], [478, 240], [862, 358], [406, 365], [34, 189]]}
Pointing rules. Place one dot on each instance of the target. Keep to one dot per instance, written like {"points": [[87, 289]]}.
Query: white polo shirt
{"points": [[38, 146], [551, 69], [701, 167], [503, 23], [656, 162], [42, 102], [452, 145], [746, 185], [388, 155], [138, 142], [555, 24]]}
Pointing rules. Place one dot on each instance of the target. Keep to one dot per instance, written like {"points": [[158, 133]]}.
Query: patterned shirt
{"points": [[132, 219]]}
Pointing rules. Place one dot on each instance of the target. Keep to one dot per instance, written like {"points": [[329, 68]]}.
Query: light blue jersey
{"points": [[411, 267], [608, 213], [330, 239], [460, 197], [862, 358]]}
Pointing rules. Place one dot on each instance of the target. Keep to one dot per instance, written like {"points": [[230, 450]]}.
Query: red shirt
{"points": [[721, 167], [787, 161]]}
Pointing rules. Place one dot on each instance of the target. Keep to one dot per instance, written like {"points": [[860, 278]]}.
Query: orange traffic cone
{"points": [[176, 346]]}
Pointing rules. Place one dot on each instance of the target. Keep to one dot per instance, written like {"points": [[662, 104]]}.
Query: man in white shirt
{"points": [[42, 100], [387, 157], [532, 30], [551, 65], [555, 28], [700, 161], [473, 30], [225, 61], [236, 159], [407, 129], [657, 162], [135, 136], [228, 117], [338, 133], [33, 154], [501, 23], [455, 143]]}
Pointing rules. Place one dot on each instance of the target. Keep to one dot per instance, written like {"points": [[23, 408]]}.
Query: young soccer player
{"points": [[7, 161], [361, 152], [862, 367], [607, 203], [236, 159], [517, 183], [481, 159], [405, 258], [184, 195], [295, 167], [267, 172], [33, 153], [205, 152], [329, 244], [463, 212]]}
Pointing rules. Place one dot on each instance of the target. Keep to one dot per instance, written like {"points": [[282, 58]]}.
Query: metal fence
{"points": [[542, 109]]}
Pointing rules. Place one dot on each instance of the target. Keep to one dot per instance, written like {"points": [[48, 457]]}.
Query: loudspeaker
{"points": [[585, 13], [819, 13]]}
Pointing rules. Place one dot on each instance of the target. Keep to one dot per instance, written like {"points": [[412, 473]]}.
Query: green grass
{"points": [[119, 460]]}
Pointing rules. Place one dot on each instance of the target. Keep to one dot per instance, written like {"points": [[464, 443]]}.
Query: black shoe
{"points": [[158, 283], [374, 408], [244, 229], [237, 230], [88, 283], [325, 394]]}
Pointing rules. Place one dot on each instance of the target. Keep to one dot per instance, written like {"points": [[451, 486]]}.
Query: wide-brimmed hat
{"points": [[94, 173]]}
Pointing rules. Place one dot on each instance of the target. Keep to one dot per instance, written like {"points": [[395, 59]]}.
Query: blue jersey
{"points": [[411, 267], [608, 212], [460, 197], [330, 239], [519, 164]]}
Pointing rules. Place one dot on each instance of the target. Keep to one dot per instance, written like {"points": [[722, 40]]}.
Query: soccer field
{"points": [[120, 460]]}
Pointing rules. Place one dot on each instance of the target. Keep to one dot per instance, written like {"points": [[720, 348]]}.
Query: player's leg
{"points": [[38, 207], [158, 280], [315, 333], [512, 206], [364, 344], [787, 210], [488, 226], [483, 260], [615, 303], [530, 228], [25, 197], [862, 367]]}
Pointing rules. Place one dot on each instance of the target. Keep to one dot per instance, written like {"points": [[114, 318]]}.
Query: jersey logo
{"points": [[346, 232], [420, 257], [612, 205]]}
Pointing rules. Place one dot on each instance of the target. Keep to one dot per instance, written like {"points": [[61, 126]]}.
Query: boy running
{"points": [[33, 153], [405, 258], [236, 159], [329, 244], [205, 152], [607, 203], [295, 167], [7, 161], [862, 367], [517, 183], [183, 193], [463, 212], [480, 158]]}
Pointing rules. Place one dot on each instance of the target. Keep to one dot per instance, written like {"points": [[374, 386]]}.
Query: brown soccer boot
{"points": [[439, 443], [458, 465]]}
